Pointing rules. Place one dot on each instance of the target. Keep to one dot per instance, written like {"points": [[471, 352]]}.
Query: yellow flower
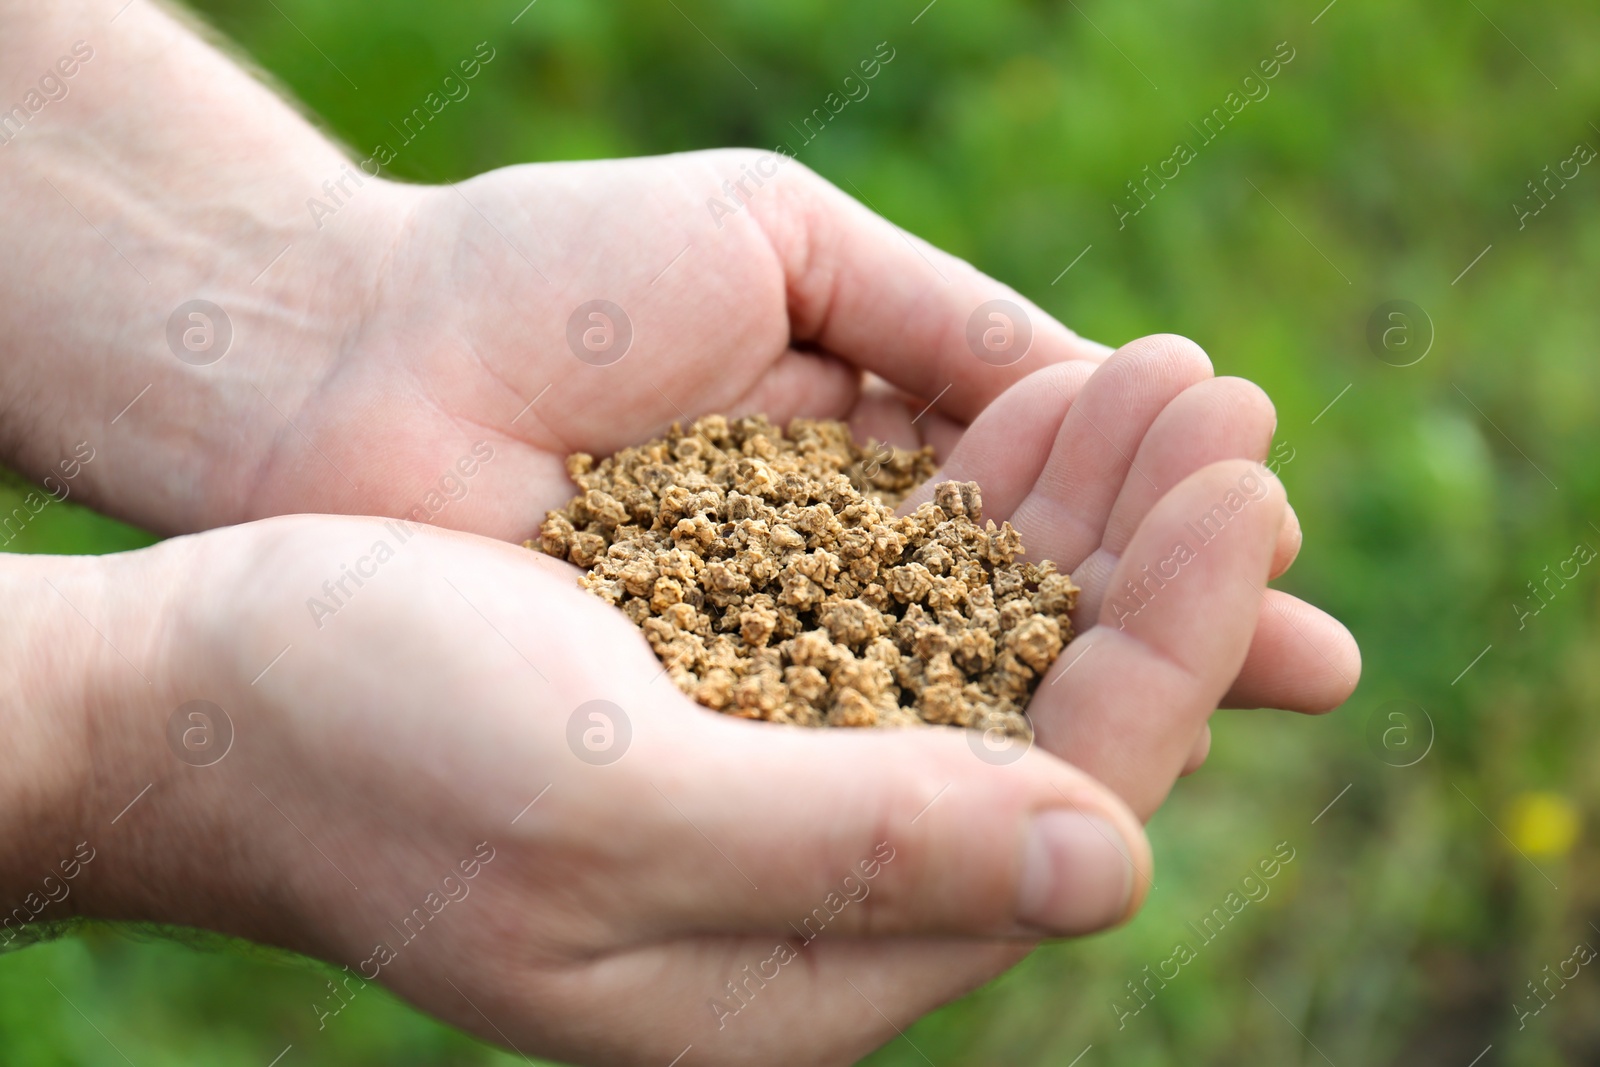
{"points": [[1543, 824]]}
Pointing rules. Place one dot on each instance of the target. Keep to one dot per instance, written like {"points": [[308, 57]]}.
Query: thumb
{"points": [[884, 301], [925, 832]]}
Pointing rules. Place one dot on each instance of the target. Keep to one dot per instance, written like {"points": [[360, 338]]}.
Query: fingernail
{"points": [[1076, 874]]}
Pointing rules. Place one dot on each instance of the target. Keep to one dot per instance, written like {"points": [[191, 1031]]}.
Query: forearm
{"points": [[141, 169]]}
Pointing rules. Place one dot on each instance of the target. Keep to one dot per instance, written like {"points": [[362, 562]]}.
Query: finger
{"points": [[941, 432], [1301, 659], [1198, 752], [1213, 420], [877, 833], [1063, 518], [1007, 446], [1126, 700], [891, 303], [881, 415], [1217, 419], [801, 385], [1290, 538]]}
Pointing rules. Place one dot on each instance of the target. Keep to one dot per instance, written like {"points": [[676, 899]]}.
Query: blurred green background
{"points": [[1387, 155]]}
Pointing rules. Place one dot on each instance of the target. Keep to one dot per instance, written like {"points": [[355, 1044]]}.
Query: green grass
{"points": [[1386, 157]]}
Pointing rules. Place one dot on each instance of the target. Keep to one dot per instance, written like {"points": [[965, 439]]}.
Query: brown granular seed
{"points": [[773, 578]]}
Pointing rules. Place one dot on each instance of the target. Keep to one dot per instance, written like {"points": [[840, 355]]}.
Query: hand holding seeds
{"points": [[772, 578], [399, 697], [647, 851]]}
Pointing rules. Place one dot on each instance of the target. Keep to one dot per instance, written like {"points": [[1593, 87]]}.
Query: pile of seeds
{"points": [[772, 576]]}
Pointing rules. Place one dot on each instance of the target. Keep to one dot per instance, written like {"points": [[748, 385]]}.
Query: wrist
{"points": [[53, 669], [177, 775], [105, 778]]}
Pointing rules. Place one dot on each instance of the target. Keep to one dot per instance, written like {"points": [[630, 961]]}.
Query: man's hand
{"points": [[361, 744], [480, 325], [472, 783], [348, 357], [386, 728], [373, 350]]}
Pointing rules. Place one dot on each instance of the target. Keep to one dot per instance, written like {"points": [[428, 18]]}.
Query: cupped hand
{"points": [[465, 707], [474, 317]]}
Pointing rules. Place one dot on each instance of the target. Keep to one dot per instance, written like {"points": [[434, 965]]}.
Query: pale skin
{"points": [[422, 718]]}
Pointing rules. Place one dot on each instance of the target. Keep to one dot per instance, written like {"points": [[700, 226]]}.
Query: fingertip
{"points": [[1337, 660], [1251, 480], [1345, 657], [1160, 366], [1198, 754], [1130, 827], [1172, 347], [1290, 539], [1277, 494], [1301, 659], [1085, 867], [1249, 402], [1141, 857]]}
